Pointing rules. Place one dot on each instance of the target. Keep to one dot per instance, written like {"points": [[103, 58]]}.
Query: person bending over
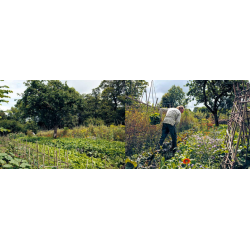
{"points": [[173, 117]]}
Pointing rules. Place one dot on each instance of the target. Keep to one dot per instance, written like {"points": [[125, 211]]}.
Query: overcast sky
{"points": [[86, 86], [162, 87]]}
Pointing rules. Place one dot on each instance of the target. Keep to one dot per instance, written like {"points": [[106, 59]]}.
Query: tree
{"points": [[174, 97], [4, 93], [113, 97], [216, 95], [3, 115], [50, 102]]}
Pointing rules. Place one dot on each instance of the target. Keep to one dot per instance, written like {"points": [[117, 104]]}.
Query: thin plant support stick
{"points": [[29, 155], [48, 156], [54, 155], [56, 161], [37, 154], [67, 160], [43, 160], [65, 157]]}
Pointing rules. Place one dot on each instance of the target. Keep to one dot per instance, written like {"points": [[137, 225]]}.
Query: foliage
{"points": [[92, 147], [12, 125], [81, 152], [173, 98], [204, 149], [188, 121], [3, 115], [49, 102], [30, 133], [140, 134], [216, 95], [31, 125], [155, 119], [4, 93], [93, 121], [111, 133], [4, 130], [9, 161]]}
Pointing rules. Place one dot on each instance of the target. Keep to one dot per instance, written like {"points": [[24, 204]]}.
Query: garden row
{"points": [[68, 153]]}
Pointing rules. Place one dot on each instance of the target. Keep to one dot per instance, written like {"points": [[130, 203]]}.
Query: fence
{"points": [[38, 156]]}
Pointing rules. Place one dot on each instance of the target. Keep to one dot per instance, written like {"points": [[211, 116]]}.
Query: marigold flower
{"points": [[186, 161]]}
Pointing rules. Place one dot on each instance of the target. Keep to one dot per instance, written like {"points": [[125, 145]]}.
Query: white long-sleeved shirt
{"points": [[172, 117]]}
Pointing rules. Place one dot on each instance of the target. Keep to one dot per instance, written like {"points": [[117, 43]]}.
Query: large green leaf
{"points": [[2, 162], [7, 166], [25, 165], [14, 163]]}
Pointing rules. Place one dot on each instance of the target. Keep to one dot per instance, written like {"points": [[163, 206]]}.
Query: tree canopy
{"points": [[216, 95], [173, 98], [49, 102]]}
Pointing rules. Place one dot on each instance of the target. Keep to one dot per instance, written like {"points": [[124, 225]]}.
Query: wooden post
{"points": [[33, 160], [67, 160], [59, 158], [43, 160], [54, 155], [105, 161], [92, 161], [56, 161], [48, 156], [29, 155], [37, 154], [87, 164], [26, 149]]}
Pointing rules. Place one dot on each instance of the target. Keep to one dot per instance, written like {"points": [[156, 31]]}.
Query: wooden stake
{"points": [[29, 155], [54, 155], [43, 160], [87, 164], [56, 161], [37, 154], [48, 156], [67, 159], [33, 160]]}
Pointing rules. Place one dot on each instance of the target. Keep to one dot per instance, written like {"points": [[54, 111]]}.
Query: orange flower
{"points": [[186, 161]]}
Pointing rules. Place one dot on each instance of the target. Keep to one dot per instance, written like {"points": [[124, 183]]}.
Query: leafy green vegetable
{"points": [[155, 119]]}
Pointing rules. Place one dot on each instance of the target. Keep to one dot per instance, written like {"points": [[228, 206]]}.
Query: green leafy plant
{"points": [[155, 119]]}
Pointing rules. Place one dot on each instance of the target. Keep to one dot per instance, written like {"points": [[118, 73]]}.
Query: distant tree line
{"points": [[52, 104]]}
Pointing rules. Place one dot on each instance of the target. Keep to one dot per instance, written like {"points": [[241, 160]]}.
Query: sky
{"points": [[17, 86], [86, 86], [162, 87]]}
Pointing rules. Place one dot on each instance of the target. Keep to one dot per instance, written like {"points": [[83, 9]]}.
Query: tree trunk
{"points": [[55, 132], [216, 119]]}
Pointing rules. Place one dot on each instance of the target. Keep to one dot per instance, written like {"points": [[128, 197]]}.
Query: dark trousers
{"points": [[166, 129]]}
